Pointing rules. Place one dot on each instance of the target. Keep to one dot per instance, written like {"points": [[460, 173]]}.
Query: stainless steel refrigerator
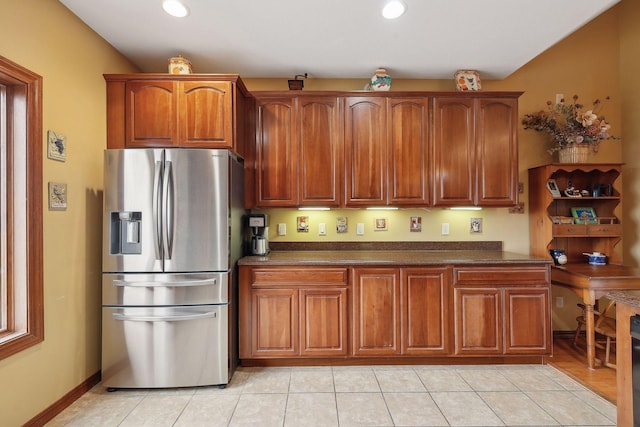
{"points": [[172, 234]]}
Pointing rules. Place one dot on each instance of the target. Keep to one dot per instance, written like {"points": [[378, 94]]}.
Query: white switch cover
{"points": [[445, 228], [282, 229], [360, 229], [322, 229]]}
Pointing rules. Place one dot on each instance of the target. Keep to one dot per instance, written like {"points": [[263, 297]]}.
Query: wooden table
{"points": [[591, 282]]}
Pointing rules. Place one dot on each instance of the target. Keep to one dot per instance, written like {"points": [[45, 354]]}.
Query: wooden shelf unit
{"points": [[549, 222]]}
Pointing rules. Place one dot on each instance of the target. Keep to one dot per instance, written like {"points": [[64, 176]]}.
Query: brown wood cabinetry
{"points": [[425, 303], [286, 312], [380, 312], [551, 223], [299, 151], [161, 110], [475, 151], [401, 311], [376, 324], [404, 149], [502, 311], [387, 151]]}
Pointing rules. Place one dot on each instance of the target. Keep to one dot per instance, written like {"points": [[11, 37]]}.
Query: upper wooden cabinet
{"points": [[386, 151], [299, 151], [164, 110], [475, 151], [348, 149]]}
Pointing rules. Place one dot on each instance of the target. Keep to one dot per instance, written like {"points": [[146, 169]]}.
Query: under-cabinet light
{"points": [[382, 208], [314, 208], [465, 208], [175, 8]]}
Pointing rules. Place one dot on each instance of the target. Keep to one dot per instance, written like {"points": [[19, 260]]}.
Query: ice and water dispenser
{"points": [[125, 233]]}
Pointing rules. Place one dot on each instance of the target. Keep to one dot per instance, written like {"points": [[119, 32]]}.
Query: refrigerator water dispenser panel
{"points": [[125, 233]]}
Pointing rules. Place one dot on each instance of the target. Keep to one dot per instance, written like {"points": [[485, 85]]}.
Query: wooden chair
{"points": [[606, 326], [603, 325]]}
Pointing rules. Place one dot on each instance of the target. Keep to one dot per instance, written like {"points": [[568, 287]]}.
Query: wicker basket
{"points": [[574, 153]]}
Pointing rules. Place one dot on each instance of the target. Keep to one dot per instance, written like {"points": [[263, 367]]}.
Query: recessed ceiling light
{"points": [[175, 8], [394, 9]]}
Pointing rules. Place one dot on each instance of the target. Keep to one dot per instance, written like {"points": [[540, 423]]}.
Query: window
{"points": [[21, 294]]}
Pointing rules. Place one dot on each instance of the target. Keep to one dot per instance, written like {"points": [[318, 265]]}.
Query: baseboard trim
{"points": [[64, 402]]}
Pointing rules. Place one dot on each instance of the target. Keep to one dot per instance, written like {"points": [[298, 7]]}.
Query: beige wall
{"points": [[46, 38]]}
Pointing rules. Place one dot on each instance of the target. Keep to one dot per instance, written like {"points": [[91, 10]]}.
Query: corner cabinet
{"points": [[475, 151], [164, 110], [552, 225]]}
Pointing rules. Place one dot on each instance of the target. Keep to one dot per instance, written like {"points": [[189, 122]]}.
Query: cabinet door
{"points": [[454, 152], [497, 152], [478, 321], [205, 114], [425, 307], [323, 322], [408, 151], [151, 115], [376, 311], [275, 322], [276, 153], [320, 150], [365, 151], [527, 321]]}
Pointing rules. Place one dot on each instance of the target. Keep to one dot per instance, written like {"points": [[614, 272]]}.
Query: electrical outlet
{"points": [[322, 229], [444, 228], [282, 229], [360, 229], [559, 302]]}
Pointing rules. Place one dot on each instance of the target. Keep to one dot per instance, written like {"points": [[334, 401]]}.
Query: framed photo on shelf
{"points": [[552, 186], [584, 215]]}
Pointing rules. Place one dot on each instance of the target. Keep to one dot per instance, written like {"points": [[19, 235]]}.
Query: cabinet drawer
{"points": [[303, 276], [586, 230], [505, 275]]}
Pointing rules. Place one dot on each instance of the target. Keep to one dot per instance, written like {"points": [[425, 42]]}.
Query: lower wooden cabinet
{"points": [[367, 312], [500, 311], [291, 312]]}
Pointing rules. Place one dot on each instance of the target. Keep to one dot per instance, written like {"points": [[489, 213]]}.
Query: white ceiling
{"points": [[338, 38]]}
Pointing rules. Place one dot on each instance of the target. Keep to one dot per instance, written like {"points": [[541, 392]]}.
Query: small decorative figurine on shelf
{"points": [[179, 65], [381, 81], [467, 80]]}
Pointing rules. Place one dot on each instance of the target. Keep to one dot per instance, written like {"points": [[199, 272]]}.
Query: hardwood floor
{"points": [[572, 360]]}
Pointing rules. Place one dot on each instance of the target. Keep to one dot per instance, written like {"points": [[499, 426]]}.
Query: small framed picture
{"points": [[415, 224], [584, 215], [56, 146], [342, 225], [303, 224], [57, 196], [552, 186], [380, 224]]}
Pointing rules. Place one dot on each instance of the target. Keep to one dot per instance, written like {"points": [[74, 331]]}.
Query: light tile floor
{"points": [[511, 395]]}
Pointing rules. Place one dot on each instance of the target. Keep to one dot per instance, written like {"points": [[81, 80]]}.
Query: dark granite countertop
{"points": [[391, 258]]}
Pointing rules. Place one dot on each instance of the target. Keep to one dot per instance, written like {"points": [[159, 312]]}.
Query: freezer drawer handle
{"points": [[204, 282], [126, 318]]}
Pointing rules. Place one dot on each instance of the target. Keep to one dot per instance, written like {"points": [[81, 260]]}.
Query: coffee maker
{"points": [[259, 224]]}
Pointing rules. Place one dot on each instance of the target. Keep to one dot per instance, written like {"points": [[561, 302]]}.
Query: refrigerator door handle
{"points": [[205, 282], [167, 217], [178, 318], [156, 203]]}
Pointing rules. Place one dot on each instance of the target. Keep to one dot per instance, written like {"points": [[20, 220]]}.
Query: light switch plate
{"points": [[282, 229], [360, 229], [322, 229], [444, 228]]}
